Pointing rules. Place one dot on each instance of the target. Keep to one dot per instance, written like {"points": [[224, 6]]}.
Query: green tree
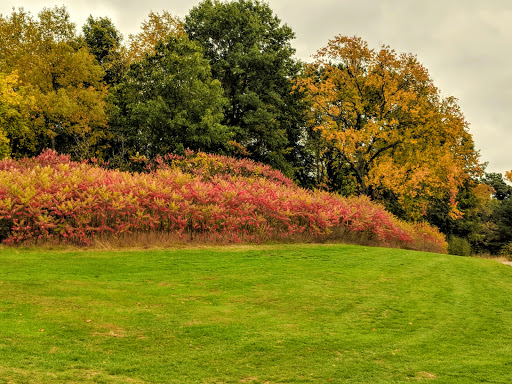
{"points": [[486, 222], [476, 203], [169, 102], [502, 212], [103, 40], [250, 53], [502, 190], [502, 217]]}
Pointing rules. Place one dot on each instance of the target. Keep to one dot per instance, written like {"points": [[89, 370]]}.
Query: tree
{"points": [[169, 102], [14, 114], [103, 40], [502, 190], [392, 134], [157, 28], [500, 239], [502, 217], [250, 53], [476, 226], [63, 80]]}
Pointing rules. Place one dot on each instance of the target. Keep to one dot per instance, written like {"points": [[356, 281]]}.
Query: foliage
{"points": [[357, 121], [502, 218], [459, 246], [476, 202], [487, 208], [158, 28], [103, 40], [14, 114], [502, 190], [169, 102], [5, 148], [250, 53], [63, 80], [497, 230], [383, 117], [506, 251], [502, 215], [509, 176], [52, 198]]}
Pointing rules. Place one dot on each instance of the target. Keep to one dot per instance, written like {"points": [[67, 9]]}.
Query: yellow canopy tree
{"points": [[14, 113], [390, 130], [62, 78]]}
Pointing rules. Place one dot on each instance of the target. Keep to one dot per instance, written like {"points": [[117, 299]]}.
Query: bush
{"points": [[506, 251], [459, 246], [204, 197]]}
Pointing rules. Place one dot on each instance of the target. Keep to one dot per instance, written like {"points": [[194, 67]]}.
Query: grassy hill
{"points": [[268, 314]]}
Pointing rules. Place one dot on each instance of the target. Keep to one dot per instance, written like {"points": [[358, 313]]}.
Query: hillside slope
{"points": [[268, 314]]}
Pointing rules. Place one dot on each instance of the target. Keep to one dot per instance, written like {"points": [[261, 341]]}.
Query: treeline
{"points": [[224, 80]]}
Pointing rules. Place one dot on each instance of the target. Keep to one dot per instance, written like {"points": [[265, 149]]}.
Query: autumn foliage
{"points": [[157, 28], [387, 124], [195, 197], [62, 97]]}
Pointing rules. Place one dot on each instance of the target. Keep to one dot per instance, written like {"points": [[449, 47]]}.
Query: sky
{"points": [[466, 45]]}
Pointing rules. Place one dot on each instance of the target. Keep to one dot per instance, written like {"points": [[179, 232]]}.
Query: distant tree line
{"points": [[224, 80]]}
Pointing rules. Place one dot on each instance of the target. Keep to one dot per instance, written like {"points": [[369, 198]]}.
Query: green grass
{"points": [[271, 314]]}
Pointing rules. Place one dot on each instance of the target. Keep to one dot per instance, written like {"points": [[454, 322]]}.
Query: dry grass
{"points": [[143, 240]]}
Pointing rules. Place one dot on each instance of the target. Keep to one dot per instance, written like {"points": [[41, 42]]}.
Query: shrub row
{"points": [[50, 198]]}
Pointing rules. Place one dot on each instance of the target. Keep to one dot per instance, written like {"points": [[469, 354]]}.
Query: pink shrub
{"points": [[205, 196]]}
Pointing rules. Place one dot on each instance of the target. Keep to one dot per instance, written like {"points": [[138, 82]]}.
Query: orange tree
{"points": [[379, 120]]}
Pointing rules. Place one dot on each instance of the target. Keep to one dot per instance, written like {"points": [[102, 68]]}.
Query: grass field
{"points": [[269, 314]]}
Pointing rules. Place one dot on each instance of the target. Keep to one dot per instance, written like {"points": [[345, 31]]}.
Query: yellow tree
{"points": [[14, 113], [384, 118], [157, 27], [62, 78]]}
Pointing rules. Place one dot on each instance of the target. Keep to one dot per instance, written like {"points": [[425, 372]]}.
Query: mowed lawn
{"points": [[255, 314]]}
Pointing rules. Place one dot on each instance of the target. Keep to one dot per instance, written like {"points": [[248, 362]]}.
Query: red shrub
{"points": [[203, 196]]}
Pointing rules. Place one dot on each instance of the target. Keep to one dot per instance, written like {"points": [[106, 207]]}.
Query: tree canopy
{"points": [[14, 114], [158, 27], [103, 40], [169, 102], [224, 80], [250, 52], [63, 80], [390, 130]]}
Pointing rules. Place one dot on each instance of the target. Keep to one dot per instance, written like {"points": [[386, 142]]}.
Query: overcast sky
{"points": [[465, 44]]}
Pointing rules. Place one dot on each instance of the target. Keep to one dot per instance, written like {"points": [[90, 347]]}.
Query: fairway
{"points": [[249, 314]]}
